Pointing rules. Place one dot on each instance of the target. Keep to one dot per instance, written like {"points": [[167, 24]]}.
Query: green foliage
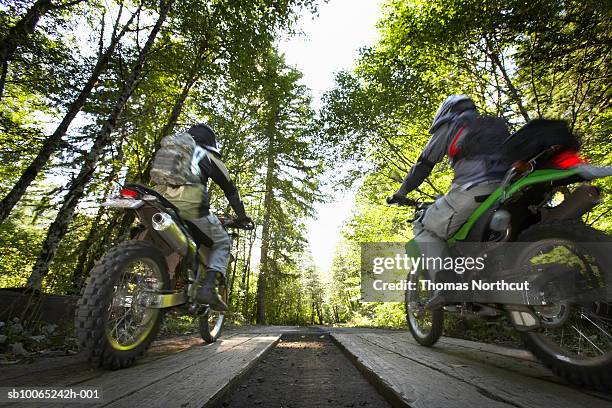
{"points": [[19, 244], [215, 62], [212, 62]]}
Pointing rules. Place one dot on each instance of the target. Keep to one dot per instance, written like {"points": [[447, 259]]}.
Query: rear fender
{"points": [[535, 177], [589, 172]]}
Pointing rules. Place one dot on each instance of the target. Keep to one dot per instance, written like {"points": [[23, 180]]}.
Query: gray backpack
{"points": [[172, 164]]}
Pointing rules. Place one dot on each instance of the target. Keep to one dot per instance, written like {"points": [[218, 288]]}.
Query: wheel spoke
{"points": [[127, 323], [584, 336], [607, 335]]}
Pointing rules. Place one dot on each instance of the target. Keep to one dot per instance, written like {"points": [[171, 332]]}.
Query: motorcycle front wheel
{"points": [[211, 321], [425, 325], [113, 324]]}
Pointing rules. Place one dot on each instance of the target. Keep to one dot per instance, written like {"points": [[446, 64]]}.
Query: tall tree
{"points": [[54, 142], [75, 192], [19, 33], [291, 168], [516, 59]]}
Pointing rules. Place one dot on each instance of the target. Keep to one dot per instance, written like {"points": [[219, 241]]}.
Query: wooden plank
{"points": [[414, 383], [116, 384], [10, 374], [503, 384], [488, 348], [67, 370], [47, 371], [490, 377], [520, 361], [201, 383], [517, 360]]}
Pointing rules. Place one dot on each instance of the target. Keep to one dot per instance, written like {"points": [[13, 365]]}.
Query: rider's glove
{"points": [[396, 198], [401, 200], [244, 221]]}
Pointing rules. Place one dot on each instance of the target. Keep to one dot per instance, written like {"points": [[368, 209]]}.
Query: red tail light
{"points": [[127, 193], [566, 159]]}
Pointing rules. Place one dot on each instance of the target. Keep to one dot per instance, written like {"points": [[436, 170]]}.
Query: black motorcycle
{"points": [[129, 289]]}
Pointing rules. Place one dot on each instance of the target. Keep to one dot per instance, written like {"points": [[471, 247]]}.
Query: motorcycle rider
{"points": [[193, 203], [474, 177]]}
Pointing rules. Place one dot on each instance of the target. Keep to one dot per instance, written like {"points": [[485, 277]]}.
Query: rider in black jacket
{"points": [[193, 202], [208, 159]]}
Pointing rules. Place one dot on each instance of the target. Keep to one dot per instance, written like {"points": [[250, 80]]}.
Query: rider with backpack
{"points": [[181, 170], [471, 142]]}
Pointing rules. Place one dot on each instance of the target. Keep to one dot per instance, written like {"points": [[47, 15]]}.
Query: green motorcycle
{"points": [[540, 204]]}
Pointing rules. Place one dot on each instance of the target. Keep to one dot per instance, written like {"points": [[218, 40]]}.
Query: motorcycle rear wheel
{"points": [[582, 359], [113, 327]]}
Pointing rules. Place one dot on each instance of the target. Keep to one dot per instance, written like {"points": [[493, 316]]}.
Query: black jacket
{"points": [[209, 166]]}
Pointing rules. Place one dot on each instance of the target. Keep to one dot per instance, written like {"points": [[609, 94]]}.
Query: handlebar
{"points": [[234, 223]]}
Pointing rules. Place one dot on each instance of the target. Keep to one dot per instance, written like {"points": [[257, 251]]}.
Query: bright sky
{"points": [[331, 43]]}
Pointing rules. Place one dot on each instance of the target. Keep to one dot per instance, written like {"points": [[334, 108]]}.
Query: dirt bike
{"points": [[133, 284], [540, 204]]}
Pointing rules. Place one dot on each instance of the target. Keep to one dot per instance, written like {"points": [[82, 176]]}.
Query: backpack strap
{"points": [[453, 149]]}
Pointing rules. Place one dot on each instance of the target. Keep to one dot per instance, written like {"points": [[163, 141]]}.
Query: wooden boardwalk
{"points": [[458, 373], [184, 372]]}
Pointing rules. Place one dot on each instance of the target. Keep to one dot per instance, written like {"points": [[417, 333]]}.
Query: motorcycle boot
{"points": [[207, 294]]}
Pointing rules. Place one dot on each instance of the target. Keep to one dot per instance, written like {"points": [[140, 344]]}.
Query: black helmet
{"points": [[205, 136], [452, 107]]}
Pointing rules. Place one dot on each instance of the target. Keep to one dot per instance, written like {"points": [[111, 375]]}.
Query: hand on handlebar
{"points": [[245, 223], [401, 200]]}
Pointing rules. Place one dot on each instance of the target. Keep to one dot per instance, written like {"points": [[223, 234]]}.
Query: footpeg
{"points": [[523, 318]]}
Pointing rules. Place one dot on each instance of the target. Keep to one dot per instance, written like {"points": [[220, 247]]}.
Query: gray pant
{"points": [[443, 218], [218, 255]]}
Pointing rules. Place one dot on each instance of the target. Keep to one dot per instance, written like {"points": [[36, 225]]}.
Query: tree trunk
{"points": [[78, 276], [312, 313], [53, 142], [246, 274], [102, 242], [298, 308], [245, 307], [19, 33], [58, 228], [230, 282], [265, 234], [85, 249], [513, 91]]}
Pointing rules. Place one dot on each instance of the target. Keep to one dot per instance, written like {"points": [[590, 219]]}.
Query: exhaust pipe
{"points": [[172, 234], [581, 200]]}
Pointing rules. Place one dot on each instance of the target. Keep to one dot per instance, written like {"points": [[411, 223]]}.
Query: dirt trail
{"points": [[304, 370]]}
